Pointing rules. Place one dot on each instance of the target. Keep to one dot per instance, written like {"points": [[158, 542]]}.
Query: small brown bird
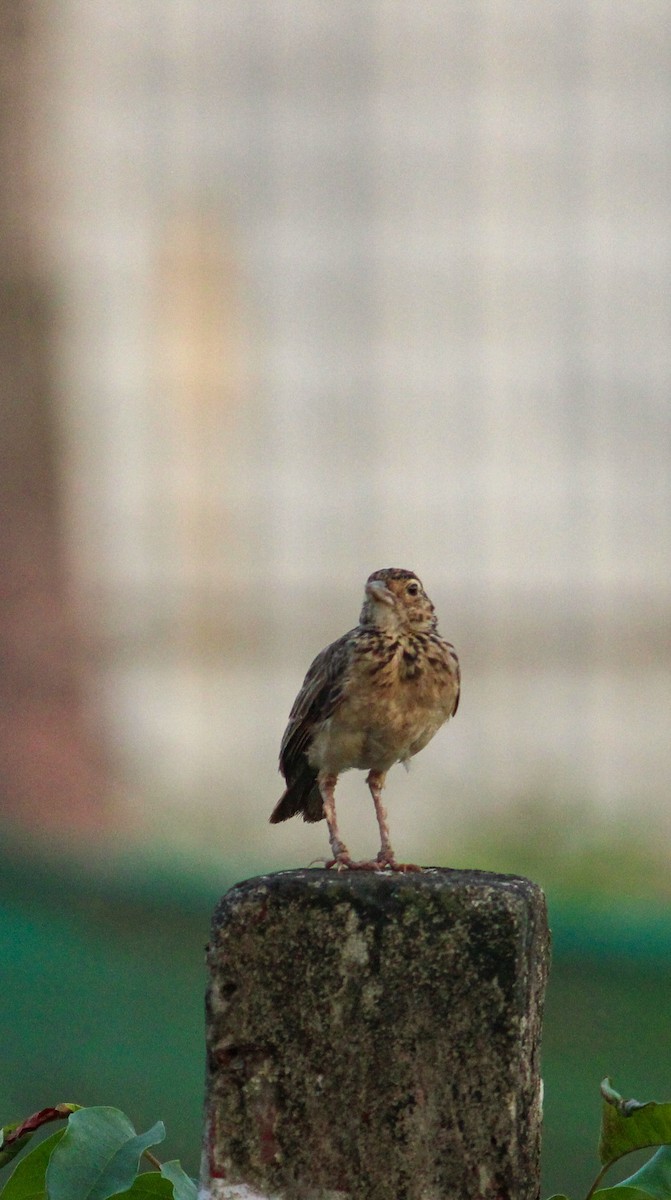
{"points": [[373, 698]]}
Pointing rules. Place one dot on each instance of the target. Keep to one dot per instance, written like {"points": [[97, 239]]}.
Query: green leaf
{"points": [[184, 1187], [27, 1180], [98, 1156], [149, 1186], [628, 1125], [11, 1149], [620, 1192], [652, 1180]]}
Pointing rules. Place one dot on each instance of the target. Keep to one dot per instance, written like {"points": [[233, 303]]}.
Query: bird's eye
{"points": [[412, 589]]}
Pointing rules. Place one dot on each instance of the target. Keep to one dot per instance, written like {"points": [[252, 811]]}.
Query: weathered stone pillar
{"points": [[375, 1037]]}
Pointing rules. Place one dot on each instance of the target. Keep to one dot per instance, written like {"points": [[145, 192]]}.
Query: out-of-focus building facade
{"points": [[355, 285]]}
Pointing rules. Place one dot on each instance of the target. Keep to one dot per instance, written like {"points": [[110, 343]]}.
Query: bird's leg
{"points": [[375, 781], [386, 856], [341, 855]]}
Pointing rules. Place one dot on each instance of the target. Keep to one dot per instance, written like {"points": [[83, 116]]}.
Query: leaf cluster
{"points": [[95, 1157], [628, 1125]]}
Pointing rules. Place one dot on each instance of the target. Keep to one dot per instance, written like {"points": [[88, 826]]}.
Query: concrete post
{"points": [[375, 1037]]}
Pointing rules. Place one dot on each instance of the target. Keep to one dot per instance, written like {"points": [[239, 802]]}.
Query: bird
{"points": [[374, 697]]}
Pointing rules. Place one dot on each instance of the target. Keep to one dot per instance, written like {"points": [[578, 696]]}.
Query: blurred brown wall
{"points": [[52, 774]]}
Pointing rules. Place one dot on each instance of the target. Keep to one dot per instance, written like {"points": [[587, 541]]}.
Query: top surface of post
{"points": [[377, 886], [376, 1036], [391, 894]]}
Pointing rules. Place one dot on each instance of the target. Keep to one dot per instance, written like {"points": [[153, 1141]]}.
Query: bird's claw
{"points": [[387, 859], [343, 862], [383, 862]]}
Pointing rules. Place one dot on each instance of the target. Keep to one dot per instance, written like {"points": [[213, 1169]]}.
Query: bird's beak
{"points": [[377, 591]]}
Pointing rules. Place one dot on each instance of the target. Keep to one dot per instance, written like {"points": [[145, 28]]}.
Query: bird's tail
{"points": [[302, 796]]}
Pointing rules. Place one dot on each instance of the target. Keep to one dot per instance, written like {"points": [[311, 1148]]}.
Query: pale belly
{"points": [[374, 737]]}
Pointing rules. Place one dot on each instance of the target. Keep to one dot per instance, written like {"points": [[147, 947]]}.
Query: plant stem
{"points": [[597, 1181], [154, 1161]]}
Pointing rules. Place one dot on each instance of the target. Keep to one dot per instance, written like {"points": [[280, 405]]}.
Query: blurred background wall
{"points": [[294, 291], [342, 286]]}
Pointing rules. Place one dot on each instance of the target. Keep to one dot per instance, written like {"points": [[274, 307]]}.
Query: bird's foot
{"points": [[386, 860], [344, 862]]}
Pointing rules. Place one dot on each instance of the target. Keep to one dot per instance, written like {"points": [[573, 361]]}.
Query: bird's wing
{"points": [[458, 675], [320, 694]]}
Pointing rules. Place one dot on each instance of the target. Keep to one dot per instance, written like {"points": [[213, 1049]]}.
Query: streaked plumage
{"points": [[374, 697]]}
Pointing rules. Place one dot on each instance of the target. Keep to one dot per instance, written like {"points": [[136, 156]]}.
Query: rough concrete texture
{"points": [[375, 1037]]}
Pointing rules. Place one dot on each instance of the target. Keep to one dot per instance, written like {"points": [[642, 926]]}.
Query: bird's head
{"points": [[395, 600]]}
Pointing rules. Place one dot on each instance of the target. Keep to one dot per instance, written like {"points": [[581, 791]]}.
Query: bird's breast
{"points": [[398, 694]]}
